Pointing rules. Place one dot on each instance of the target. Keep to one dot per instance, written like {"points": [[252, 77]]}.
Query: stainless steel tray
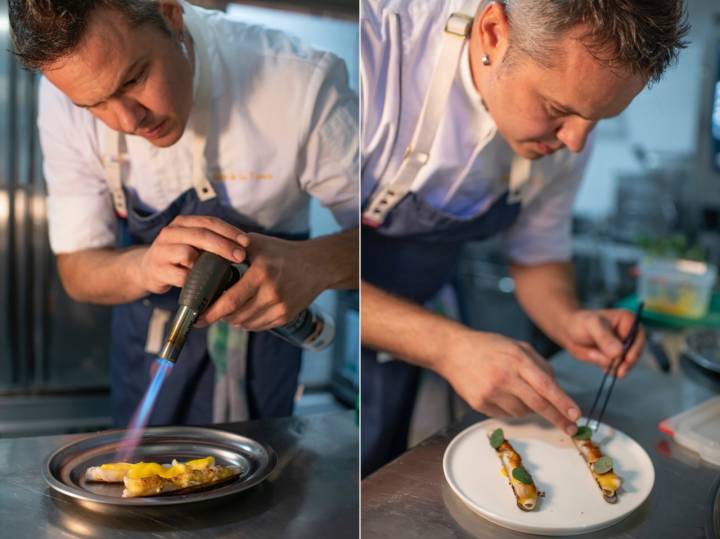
{"points": [[703, 347], [64, 469]]}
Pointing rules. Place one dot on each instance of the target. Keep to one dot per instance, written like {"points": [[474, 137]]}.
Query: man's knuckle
{"points": [[260, 273], [514, 410], [270, 291], [478, 403], [542, 379], [188, 255], [498, 376], [208, 236], [238, 319], [515, 349], [539, 404], [482, 398], [561, 402]]}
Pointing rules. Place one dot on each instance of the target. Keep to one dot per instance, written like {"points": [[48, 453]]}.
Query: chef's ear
{"points": [[172, 12], [491, 24]]}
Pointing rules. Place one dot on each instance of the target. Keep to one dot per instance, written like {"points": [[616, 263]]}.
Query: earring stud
{"points": [[485, 59]]}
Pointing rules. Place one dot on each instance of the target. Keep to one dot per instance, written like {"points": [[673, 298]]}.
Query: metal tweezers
{"points": [[613, 369]]}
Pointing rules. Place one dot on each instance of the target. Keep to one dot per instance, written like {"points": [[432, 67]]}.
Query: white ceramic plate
{"points": [[573, 502]]}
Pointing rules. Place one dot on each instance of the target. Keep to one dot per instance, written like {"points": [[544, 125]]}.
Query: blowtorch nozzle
{"points": [[181, 325], [209, 277]]}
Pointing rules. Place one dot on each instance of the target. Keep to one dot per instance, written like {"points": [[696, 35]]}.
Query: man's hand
{"points": [[547, 293], [283, 279], [503, 377], [169, 259], [597, 336], [110, 276]]}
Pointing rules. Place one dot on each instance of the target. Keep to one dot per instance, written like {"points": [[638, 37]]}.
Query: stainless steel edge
{"points": [[233, 442]]}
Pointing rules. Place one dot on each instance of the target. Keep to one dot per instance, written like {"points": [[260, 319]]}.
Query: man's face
{"points": [[539, 110], [136, 80]]}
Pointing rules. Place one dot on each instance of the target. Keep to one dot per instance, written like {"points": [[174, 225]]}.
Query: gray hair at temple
{"points": [[45, 31], [643, 37]]}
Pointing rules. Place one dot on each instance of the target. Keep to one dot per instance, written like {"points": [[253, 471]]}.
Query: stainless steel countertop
{"points": [[313, 492], [410, 498]]}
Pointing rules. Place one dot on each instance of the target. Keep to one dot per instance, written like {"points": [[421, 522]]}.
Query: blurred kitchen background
{"points": [[651, 190], [54, 352]]}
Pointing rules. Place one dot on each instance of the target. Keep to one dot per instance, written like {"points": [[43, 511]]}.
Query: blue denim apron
{"points": [[186, 397], [412, 250]]}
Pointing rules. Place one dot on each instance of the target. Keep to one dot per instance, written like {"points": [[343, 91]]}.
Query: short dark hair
{"points": [[642, 36], [44, 31]]}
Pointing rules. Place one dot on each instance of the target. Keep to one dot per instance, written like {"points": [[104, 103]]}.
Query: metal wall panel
{"points": [[7, 356], [47, 341], [70, 340]]}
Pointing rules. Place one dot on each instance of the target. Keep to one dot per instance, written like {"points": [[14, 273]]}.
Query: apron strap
{"points": [[457, 29], [519, 186], [113, 162], [156, 330], [202, 104]]}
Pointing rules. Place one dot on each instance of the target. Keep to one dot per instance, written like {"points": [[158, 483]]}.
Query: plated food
{"points": [[151, 478], [601, 466], [572, 504], [523, 486]]}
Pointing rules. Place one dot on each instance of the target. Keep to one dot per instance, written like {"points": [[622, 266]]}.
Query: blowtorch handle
{"points": [[210, 276]]}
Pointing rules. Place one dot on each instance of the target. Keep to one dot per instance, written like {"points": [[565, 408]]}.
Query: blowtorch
{"points": [[210, 276]]}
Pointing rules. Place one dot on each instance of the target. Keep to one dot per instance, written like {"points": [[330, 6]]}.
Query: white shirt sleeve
{"points": [[80, 211], [330, 163], [543, 231]]}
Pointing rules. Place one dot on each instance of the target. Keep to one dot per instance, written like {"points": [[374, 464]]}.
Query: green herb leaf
{"points": [[602, 465], [583, 433], [522, 475], [497, 438]]}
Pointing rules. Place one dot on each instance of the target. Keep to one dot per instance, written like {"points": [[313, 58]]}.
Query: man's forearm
{"points": [[104, 276], [337, 256], [404, 329], [547, 293]]}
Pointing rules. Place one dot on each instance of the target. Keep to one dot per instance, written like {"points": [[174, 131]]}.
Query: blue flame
{"points": [[142, 414]]}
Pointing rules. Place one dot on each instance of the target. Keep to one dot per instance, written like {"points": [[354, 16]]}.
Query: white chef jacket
{"points": [[283, 128], [468, 154]]}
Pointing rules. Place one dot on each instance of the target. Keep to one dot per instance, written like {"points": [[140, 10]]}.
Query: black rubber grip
{"points": [[210, 276]]}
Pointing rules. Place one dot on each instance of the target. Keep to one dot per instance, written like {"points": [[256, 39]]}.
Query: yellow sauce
{"points": [[608, 481], [149, 469], [201, 464], [116, 467]]}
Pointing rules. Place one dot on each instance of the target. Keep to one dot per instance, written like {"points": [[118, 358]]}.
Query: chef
{"points": [[476, 119], [167, 130]]}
